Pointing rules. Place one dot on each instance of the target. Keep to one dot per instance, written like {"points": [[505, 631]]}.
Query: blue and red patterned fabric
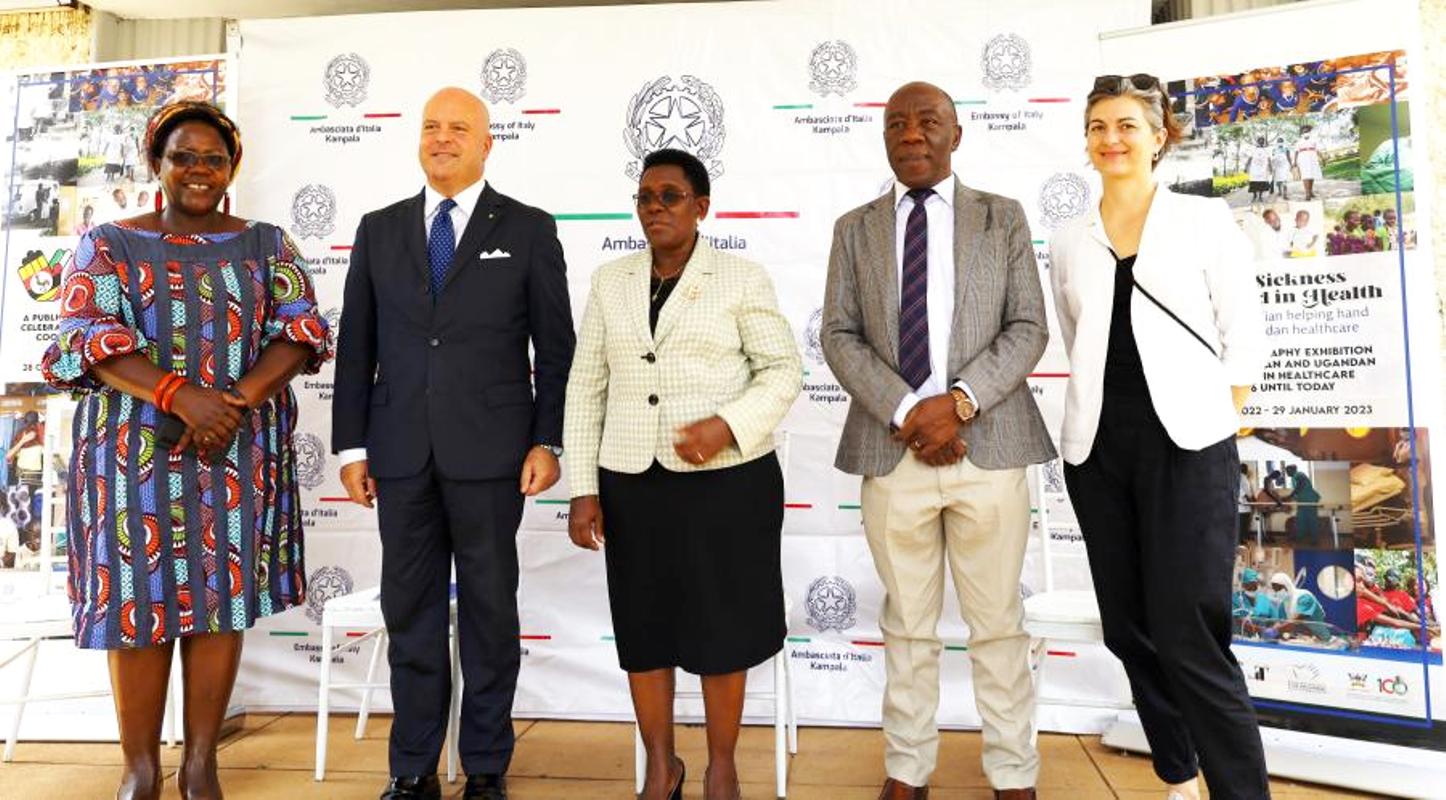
{"points": [[163, 545]]}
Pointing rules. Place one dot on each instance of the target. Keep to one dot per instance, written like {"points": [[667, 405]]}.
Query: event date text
{"points": [[1319, 410]]}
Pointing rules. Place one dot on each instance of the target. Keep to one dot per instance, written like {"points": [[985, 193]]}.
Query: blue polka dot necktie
{"points": [[914, 295], [441, 244]]}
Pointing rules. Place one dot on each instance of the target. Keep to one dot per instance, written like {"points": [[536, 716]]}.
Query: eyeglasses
{"points": [[185, 159], [668, 198], [1111, 83]]}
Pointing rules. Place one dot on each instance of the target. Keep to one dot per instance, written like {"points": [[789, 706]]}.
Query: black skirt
{"points": [[694, 578]]}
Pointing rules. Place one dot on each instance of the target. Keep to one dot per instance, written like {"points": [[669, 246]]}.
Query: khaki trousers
{"points": [[916, 518]]}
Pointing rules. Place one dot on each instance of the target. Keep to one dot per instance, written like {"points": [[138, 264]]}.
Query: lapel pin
{"points": [[693, 292]]}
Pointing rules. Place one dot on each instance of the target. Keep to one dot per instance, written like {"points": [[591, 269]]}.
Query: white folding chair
{"points": [[175, 699], [1054, 614], [363, 610], [48, 617], [785, 720], [780, 695]]}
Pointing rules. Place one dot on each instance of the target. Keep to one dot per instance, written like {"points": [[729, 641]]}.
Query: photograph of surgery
{"points": [[1300, 597]]}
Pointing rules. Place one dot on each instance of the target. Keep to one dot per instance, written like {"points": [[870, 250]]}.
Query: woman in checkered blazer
{"points": [[684, 367]]}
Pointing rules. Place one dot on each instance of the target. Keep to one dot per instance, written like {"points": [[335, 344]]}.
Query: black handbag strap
{"points": [[1181, 322]]}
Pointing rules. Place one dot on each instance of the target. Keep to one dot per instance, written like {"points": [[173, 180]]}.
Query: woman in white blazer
{"points": [[684, 366], [1161, 317]]}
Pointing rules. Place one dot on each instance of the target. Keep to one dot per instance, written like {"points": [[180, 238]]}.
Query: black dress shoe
{"points": [[485, 787], [413, 787]]}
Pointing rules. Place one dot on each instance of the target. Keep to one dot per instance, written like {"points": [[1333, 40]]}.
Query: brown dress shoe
{"points": [[1014, 794], [898, 790]]}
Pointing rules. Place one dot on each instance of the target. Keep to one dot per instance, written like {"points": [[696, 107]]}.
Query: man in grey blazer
{"points": [[933, 318]]}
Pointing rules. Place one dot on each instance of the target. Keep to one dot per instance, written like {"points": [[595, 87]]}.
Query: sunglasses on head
{"points": [[1111, 83]]}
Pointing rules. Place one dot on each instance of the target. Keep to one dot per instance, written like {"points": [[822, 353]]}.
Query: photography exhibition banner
{"points": [[1312, 145], [70, 159], [1337, 524]]}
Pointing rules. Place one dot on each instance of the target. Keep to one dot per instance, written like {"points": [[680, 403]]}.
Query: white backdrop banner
{"points": [[784, 102]]}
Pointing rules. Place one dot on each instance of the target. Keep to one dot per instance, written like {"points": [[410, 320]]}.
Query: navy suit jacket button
{"points": [[652, 399], [434, 342]]}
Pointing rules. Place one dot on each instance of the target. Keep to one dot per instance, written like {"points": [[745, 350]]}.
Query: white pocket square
{"points": [[498, 253]]}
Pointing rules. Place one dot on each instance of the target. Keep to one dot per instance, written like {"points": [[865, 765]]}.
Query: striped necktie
{"points": [[913, 295]]}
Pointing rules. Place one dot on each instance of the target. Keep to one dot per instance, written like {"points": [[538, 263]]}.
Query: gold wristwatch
{"points": [[963, 406]]}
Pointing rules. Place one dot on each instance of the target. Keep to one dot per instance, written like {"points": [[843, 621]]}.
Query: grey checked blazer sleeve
{"points": [[856, 365], [1001, 367]]}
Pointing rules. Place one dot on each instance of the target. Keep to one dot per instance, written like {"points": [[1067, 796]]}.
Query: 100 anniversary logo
{"points": [[686, 115]]}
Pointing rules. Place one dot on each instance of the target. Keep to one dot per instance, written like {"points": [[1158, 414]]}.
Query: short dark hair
{"points": [[693, 169]]}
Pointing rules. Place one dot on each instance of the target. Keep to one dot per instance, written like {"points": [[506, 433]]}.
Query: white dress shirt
{"points": [[939, 213], [462, 212]]}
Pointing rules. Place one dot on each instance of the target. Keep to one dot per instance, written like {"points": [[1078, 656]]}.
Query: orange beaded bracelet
{"points": [[166, 389]]}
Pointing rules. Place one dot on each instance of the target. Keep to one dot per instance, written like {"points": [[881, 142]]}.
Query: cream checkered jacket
{"points": [[721, 347]]}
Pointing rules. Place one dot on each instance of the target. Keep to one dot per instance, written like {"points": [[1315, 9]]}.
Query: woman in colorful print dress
{"points": [[180, 330]]}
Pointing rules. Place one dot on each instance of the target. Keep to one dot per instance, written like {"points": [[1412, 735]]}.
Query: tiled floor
{"points": [[270, 756]]}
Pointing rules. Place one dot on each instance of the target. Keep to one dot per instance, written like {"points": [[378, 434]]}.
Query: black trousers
{"points": [[426, 521], [1160, 528]]}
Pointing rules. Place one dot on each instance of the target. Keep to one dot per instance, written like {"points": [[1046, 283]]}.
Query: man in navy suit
{"points": [[435, 419]]}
